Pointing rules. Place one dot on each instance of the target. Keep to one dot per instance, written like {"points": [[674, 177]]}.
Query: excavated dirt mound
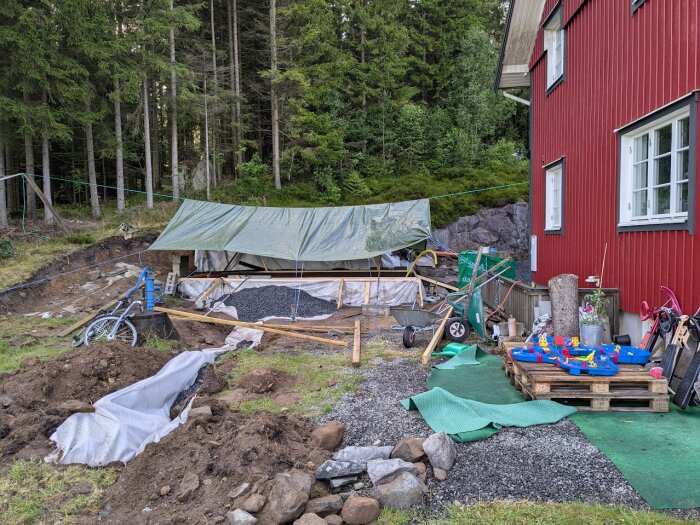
{"points": [[42, 394], [265, 380], [192, 474]]}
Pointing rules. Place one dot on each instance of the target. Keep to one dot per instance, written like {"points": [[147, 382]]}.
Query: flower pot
{"points": [[591, 334]]}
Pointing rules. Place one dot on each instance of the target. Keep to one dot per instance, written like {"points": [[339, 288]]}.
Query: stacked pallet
{"points": [[632, 389]]}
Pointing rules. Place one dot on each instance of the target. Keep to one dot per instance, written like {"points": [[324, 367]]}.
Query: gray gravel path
{"points": [[540, 463]]}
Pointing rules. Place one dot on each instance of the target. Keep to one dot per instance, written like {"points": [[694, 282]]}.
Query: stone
{"points": [[482, 236], [82, 487], [5, 401], [384, 470], [310, 519], [241, 517], [358, 486], [29, 362], [302, 480], [405, 491], [329, 436], [409, 449], [233, 398], [73, 406], [240, 490], [440, 450], [440, 475], [420, 466], [188, 484], [164, 490], [200, 414], [207, 482], [254, 503], [376, 442], [334, 519], [362, 454], [360, 511], [286, 501], [325, 505], [338, 469], [336, 483], [259, 381]]}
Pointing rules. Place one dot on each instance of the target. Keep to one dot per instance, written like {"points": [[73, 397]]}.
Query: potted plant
{"points": [[592, 317]]}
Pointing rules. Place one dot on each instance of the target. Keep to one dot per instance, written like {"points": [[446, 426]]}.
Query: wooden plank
{"points": [[264, 328], [206, 293], [368, 288], [420, 295], [436, 338], [85, 320], [438, 283], [356, 345], [47, 204], [341, 285]]}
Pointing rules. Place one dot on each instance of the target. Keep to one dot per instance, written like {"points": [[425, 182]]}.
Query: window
{"points": [[636, 4], [554, 36], [655, 170], [554, 197]]}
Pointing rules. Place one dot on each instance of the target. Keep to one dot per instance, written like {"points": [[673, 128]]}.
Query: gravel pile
{"points": [[545, 463], [253, 304]]}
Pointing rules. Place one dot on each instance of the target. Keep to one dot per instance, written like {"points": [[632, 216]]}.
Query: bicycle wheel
{"points": [[101, 330]]}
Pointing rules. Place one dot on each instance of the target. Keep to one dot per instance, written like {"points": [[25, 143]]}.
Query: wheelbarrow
{"points": [[414, 322]]}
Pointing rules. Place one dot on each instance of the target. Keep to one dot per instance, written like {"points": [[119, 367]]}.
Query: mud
{"points": [[42, 394], [217, 456]]}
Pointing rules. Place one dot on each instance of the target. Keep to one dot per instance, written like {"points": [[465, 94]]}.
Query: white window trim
{"points": [[554, 197], [627, 173], [554, 33]]}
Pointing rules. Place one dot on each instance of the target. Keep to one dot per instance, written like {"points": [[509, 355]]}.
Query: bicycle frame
{"points": [[124, 314]]}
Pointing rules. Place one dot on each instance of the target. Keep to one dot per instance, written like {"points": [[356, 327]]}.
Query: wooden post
{"points": [[356, 345], [47, 204], [341, 284], [368, 287], [213, 320], [436, 338]]}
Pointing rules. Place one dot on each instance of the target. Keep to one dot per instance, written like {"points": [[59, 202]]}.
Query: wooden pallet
{"points": [[632, 389]]}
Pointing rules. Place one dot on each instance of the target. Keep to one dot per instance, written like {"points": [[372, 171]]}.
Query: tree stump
{"points": [[154, 325], [563, 294]]}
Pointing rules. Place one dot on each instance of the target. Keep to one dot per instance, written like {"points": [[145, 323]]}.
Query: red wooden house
{"points": [[614, 90]]}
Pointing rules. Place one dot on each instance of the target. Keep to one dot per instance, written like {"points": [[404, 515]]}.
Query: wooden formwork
{"points": [[632, 389]]}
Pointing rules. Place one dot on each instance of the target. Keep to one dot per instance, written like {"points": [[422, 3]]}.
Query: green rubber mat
{"points": [[465, 357], [459, 417], [659, 454]]}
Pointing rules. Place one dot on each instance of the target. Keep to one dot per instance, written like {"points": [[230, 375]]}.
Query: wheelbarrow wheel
{"points": [[409, 336], [457, 329]]}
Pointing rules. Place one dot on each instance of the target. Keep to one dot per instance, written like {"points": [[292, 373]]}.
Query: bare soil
{"points": [[223, 452], [33, 399]]}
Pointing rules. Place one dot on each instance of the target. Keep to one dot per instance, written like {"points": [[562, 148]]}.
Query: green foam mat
{"points": [[459, 417], [658, 453], [468, 356]]}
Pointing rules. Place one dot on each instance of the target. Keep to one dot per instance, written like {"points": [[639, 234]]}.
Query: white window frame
{"points": [[555, 46], [554, 197], [628, 145]]}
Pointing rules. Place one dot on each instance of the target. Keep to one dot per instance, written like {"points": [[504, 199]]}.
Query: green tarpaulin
{"points": [[297, 234]]}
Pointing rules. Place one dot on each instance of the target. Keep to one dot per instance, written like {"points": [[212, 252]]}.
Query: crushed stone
{"points": [[253, 304], [539, 463]]}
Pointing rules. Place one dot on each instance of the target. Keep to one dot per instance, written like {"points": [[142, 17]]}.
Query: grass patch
{"points": [[36, 492], [157, 343], [30, 336], [527, 513]]}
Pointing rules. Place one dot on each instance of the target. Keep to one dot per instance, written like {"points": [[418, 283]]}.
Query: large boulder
{"points": [[325, 505], [409, 449], [329, 436], [384, 470], [440, 450], [360, 510], [287, 500], [405, 491]]}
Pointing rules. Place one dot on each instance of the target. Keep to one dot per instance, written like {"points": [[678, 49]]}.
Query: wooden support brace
{"points": [[436, 338], [356, 345], [341, 285], [438, 283], [368, 287], [47, 204]]}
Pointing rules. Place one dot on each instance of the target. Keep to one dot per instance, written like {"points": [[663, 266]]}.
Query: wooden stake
{"points": [[264, 328], [341, 285], [210, 290], [436, 338], [368, 287], [356, 345], [47, 204]]}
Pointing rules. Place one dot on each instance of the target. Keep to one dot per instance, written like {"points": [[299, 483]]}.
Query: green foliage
{"points": [[79, 238], [254, 167], [355, 187], [6, 250]]}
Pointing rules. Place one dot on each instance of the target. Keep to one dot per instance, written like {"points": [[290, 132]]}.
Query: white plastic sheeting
{"points": [[125, 421], [217, 261], [392, 291]]}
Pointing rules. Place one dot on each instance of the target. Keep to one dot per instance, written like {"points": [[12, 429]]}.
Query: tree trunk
{"points": [[121, 204], [362, 84], [4, 223], [235, 81], [147, 145], [92, 172], [29, 165], [156, 138], [206, 140], [173, 116], [215, 127], [273, 96], [563, 294], [46, 169]]}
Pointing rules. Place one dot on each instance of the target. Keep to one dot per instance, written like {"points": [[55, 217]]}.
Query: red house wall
{"points": [[618, 68]]}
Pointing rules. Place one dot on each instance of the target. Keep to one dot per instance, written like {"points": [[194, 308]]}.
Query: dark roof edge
{"points": [[501, 55]]}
